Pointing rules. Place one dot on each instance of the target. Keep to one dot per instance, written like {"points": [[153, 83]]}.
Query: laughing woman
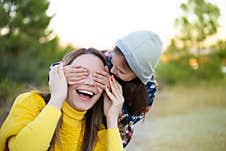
{"points": [[71, 117]]}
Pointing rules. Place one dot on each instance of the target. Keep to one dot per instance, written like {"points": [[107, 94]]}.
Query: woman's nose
{"points": [[89, 80]]}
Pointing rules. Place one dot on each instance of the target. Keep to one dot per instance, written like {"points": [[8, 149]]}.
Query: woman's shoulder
{"points": [[31, 99]]}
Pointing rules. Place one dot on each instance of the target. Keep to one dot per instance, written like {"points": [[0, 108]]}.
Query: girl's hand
{"points": [[113, 102], [102, 78], [58, 85], [75, 74]]}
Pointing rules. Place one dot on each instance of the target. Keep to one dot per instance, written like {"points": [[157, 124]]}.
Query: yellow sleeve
{"points": [[28, 124], [114, 141], [37, 135]]}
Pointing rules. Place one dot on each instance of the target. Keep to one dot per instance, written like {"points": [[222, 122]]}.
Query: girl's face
{"points": [[120, 68], [83, 97]]}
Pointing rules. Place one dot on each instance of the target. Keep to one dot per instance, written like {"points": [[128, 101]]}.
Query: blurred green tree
{"points": [[199, 21], [27, 46], [23, 25]]}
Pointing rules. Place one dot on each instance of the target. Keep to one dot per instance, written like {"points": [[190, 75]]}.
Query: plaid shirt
{"points": [[127, 121]]}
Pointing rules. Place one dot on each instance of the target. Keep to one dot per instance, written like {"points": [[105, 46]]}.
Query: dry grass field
{"points": [[184, 118]]}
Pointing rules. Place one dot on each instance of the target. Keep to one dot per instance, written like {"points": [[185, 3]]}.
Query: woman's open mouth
{"points": [[85, 95]]}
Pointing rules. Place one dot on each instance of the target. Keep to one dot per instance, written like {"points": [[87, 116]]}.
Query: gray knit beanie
{"points": [[142, 50]]}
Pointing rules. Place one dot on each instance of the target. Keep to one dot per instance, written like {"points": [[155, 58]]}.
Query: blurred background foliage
{"points": [[191, 73], [28, 47], [194, 54]]}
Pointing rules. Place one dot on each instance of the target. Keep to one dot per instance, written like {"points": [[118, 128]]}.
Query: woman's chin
{"points": [[83, 104]]}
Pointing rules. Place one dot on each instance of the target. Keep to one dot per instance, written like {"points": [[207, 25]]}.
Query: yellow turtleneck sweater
{"points": [[31, 123]]}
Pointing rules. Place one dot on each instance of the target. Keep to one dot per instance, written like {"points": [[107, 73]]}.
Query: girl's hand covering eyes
{"points": [[75, 74], [113, 102], [102, 78], [58, 85]]}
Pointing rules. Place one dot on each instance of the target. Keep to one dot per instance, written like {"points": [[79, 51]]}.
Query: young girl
{"points": [[73, 118], [132, 62]]}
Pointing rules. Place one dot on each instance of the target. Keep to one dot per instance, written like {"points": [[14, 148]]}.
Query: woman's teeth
{"points": [[85, 93]]}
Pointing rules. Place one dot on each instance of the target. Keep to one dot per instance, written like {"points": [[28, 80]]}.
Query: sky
{"points": [[99, 23]]}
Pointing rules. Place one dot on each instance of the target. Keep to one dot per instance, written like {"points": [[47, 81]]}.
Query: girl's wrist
{"points": [[112, 122], [56, 102]]}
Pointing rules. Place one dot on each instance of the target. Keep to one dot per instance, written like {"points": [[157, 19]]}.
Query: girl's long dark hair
{"points": [[134, 92]]}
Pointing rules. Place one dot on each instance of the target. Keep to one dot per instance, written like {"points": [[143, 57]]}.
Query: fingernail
{"points": [[112, 77]]}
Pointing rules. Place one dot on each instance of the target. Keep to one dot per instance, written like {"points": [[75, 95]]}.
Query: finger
{"points": [[50, 76], [58, 72], [106, 98], [116, 89], [75, 78], [105, 94], [109, 94], [100, 79], [69, 69], [81, 68], [75, 66], [100, 85], [117, 85], [74, 75], [103, 73], [77, 82], [61, 70], [113, 88], [54, 70]]}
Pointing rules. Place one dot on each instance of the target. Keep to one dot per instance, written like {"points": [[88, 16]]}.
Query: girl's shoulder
{"points": [[151, 89], [153, 83]]}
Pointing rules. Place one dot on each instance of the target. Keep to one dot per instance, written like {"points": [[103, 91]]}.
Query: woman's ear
{"points": [[106, 68]]}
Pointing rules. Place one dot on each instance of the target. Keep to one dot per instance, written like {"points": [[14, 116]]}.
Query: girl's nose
{"points": [[113, 71]]}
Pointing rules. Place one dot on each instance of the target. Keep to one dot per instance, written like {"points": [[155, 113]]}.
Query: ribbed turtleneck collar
{"points": [[72, 113]]}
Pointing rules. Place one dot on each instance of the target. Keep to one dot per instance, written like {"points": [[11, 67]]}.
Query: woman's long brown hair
{"points": [[134, 91], [93, 117]]}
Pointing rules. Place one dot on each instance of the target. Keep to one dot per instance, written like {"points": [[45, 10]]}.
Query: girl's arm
{"points": [[112, 108], [127, 122]]}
